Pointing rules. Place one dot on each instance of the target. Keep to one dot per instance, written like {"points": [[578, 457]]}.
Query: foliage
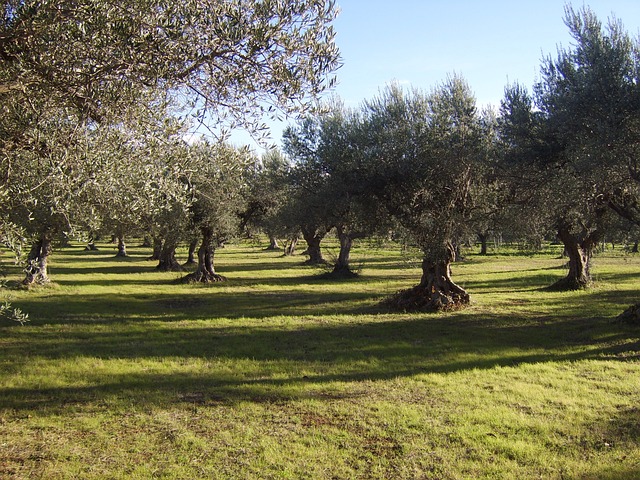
{"points": [[218, 183], [426, 157], [94, 94], [219, 188], [267, 194], [574, 152], [232, 61], [15, 314]]}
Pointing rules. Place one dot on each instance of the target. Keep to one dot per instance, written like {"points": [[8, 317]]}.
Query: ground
{"points": [[122, 372]]}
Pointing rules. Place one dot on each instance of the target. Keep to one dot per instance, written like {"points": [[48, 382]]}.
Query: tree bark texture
{"points": [[191, 255], [290, 247], [91, 244], [37, 260], [436, 290], [342, 267], [205, 272], [167, 261], [313, 237], [483, 243], [273, 243], [579, 251], [157, 248]]}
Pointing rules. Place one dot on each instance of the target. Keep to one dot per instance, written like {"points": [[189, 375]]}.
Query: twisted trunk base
{"points": [[205, 273], [482, 237], [167, 261], [273, 243], [122, 247], [631, 315], [157, 249], [290, 247], [313, 237], [342, 267], [435, 292], [203, 277], [37, 262], [191, 255], [579, 252]]}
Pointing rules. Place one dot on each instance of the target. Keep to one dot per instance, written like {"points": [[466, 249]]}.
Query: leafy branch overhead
{"points": [[231, 61]]}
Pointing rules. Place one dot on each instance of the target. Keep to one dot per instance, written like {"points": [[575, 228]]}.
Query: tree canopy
{"points": [[228, 61]]}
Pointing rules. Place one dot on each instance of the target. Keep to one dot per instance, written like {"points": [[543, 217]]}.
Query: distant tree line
{"points": [[95, 146]]}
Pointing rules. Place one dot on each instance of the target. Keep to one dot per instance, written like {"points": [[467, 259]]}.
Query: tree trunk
{"points": [[167, 261], [634, 249], [290, 248], [157, 248], [313, 237], [342, 266], [273, 243], [436, 290], [579, 254], [122, 247], [483, 243], [36, 269], [457, 253], [91, 243], [191, 255], [205, 272]]}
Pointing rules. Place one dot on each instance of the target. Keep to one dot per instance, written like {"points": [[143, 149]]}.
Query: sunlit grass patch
{"points": [[125, 373]]}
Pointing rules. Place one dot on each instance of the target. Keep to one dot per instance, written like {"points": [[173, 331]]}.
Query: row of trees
{"points": [[97, 145], [96, 97], [432, 167]]}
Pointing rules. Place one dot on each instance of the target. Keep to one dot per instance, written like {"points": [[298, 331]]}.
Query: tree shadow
{"points": [[305, 359]]}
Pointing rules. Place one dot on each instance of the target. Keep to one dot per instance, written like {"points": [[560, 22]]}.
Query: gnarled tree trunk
{"points": [[205, 272], [191, 254], [167, 261], [313, 237], [579, 251], [342, 267], [122, 247], [483, 242], [273, 243], [37, 260], [436, 290], [290, 248], [157, 248], [91, 243]]}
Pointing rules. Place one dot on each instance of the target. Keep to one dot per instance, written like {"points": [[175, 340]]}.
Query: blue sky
{"points": [[491, 43]]}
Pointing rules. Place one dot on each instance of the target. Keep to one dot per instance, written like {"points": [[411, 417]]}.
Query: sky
{"points": [[417, 43]]}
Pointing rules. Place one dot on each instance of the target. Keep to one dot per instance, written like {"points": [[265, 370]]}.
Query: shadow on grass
{"points": [[532, 281], [302, 357], [199, 302], [302, 360]]}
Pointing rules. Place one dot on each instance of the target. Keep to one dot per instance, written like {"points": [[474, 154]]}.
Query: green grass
{"points": [[123, 373]]}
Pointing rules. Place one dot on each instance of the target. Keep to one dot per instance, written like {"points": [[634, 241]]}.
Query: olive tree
{"points": [[572, 146], [424, 153], [79, 66], [330, 186], [232, 61], [218, 183], [267, 194], [75, 178]]}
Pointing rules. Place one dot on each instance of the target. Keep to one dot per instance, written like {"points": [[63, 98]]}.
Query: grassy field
{"points": [[123, 373]]}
